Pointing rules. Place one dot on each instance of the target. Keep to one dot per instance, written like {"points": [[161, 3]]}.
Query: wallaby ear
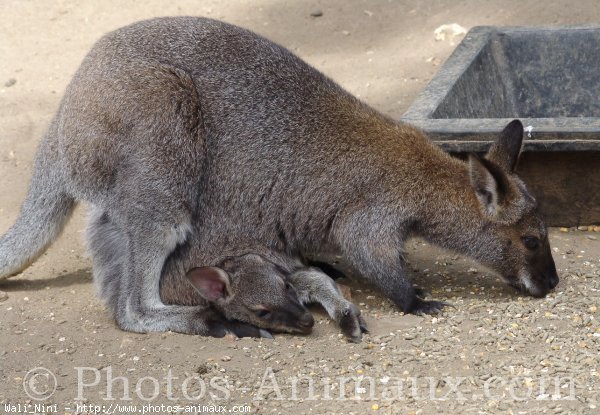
{"points": [[505, 151], [487, 183], [212, 283]]}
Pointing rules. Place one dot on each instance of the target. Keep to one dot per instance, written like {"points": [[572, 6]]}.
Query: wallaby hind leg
{"points": [[140, 308], [313, 286]]}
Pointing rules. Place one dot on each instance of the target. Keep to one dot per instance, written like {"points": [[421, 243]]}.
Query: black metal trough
{"points": [[547, 77]]}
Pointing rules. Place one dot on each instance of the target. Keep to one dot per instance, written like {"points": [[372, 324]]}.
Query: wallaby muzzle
{"points": [[549, 277], [539, 281]]}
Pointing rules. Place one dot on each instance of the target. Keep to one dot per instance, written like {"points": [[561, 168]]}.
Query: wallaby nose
{"points": [[306, 320], [553, 280]]}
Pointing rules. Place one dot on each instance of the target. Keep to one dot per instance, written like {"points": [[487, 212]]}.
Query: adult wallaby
{"points": [[240, 290], [183, 120]]}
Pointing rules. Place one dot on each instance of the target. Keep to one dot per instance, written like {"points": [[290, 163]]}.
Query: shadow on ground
{"points": [[79, 277]]}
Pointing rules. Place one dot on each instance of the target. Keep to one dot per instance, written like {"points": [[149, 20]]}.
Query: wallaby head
{"points": [[516, 238], [251, 289]]}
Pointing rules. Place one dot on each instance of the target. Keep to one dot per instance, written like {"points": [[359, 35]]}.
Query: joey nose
{"points": [[306, 321]]}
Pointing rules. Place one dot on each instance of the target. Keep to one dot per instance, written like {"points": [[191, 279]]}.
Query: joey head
{"points": [[245, 288]]}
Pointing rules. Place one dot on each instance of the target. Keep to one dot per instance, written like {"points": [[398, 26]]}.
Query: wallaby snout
{"points": [[526, 263], [552, 278], [543, 276]]}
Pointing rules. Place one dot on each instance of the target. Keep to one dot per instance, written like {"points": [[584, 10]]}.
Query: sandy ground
{"points": [[496, 352]]}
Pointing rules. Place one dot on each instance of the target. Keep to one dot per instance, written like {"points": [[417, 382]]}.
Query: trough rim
{"points": [[477, 134]]}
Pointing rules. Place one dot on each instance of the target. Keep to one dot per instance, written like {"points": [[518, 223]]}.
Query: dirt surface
{"points": [[496, 352]]}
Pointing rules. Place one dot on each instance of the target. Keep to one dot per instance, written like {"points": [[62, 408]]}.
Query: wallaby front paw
{"points": [[421, 306], [352, 323], [420, 292]]}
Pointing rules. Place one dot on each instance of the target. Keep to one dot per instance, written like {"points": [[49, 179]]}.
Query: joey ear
{"points": [[212, 283], [507, 148], [485, 181]]}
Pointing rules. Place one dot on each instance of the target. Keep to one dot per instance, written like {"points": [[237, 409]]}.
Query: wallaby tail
{"points": [[44, 214]]}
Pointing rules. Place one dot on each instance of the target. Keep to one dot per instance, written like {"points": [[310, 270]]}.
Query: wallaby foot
{"points": [[218, 326], [139, 307], [313, 286]]}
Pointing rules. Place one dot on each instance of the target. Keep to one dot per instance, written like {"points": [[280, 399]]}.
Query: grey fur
{"points": [[178, 122]]}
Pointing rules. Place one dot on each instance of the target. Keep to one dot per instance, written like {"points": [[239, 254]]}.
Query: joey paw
{"points": [[352, 324]]}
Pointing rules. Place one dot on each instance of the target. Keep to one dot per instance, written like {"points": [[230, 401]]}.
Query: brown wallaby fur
{"points": [[178, 122]]}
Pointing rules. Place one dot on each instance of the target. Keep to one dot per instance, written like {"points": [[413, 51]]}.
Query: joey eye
{"points": [[262, 313], [530, 242]]}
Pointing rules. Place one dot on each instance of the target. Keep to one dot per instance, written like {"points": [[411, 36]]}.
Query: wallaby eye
{"points": [[530, 242], [262, 313], [486, 195]]}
